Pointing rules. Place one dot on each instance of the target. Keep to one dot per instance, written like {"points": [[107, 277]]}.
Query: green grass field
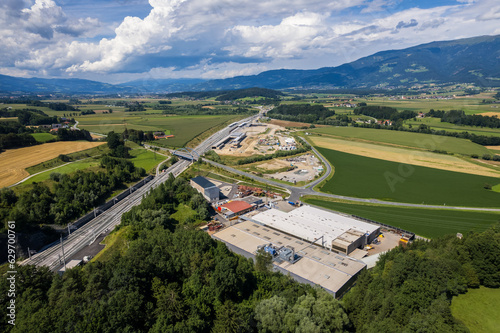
{"points": [[43, 137], [407, 139], [428, 223], [478, 309], [146, 159], [365, 177], [96, 151], [184, 128], [69, 168]]}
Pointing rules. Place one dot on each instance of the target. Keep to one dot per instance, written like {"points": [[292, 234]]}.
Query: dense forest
{"points": [[172, 277], [15, 133], [29, 116], [61, 201], [409, 290], [223, 95], [251, 93], [301, 112], [205, 109]]}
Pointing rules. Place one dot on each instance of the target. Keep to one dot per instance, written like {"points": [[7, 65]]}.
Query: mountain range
{"points": [[471, 60]]}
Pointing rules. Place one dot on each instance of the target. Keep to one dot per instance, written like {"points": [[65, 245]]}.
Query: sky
{"points": [[123, 40]]}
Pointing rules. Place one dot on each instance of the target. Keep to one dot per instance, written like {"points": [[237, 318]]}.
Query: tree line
{"points": [[458, 117], [384, 112], [250, 92], [483, 140], [301, 113], [56, 106], [71, 196]]}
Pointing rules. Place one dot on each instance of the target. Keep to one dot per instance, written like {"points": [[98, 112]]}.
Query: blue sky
{"points": [[122, 40]]}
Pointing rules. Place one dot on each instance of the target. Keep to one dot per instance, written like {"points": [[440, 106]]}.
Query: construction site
{"points": [[255, 138]]}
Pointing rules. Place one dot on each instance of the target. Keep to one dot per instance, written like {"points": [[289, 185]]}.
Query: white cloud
{"points": [[221, 38]]}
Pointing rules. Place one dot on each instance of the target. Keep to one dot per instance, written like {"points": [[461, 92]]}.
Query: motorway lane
{"points": [[106, 221]]}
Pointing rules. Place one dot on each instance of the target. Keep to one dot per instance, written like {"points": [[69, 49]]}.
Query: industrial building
{"points": [[205, 187], [337, 232], [234, 139], [306, 262], [235, 208]]}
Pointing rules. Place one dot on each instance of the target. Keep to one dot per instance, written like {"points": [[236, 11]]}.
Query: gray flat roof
{"points": [[203, 182]]}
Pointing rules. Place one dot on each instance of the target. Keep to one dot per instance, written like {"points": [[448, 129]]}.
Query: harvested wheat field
{"points": [[405, 156], [490, 114], [13, 162], [493, 147]]}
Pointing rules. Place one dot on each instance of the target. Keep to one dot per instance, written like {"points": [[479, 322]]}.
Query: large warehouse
{"points": [[334, 231], [205, 187]]}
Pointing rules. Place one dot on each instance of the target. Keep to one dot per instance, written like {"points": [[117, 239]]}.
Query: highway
{"points": [[87, 234]]}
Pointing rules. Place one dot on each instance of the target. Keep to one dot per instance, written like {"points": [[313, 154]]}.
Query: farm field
{"points": [[435, 123], [408, 156], [43, 137], [470, 105], [13, 162], [428, 223], [406, 139], [64, 169], [478, 309], [365, 177], [184, 128]]}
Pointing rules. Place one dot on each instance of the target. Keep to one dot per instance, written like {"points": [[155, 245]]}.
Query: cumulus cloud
{"points": [[220, 38], [287, 39]]}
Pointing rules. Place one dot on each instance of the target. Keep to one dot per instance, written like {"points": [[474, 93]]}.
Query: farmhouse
{"points": [[333, 231], [205, 187]]}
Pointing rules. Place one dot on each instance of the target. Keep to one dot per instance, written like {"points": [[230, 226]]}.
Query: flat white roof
{"points": [[328, 269], [311, 223]]}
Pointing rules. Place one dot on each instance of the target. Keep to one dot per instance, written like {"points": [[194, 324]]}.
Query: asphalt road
{"points": [[89, 233], [297, 192]]}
